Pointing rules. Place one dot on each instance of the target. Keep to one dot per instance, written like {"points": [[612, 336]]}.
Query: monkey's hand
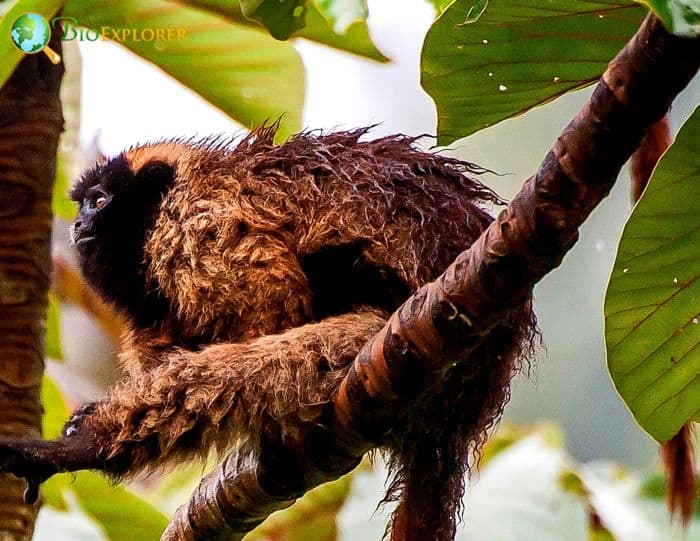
{"points": [[37, 460], [34, 460]]}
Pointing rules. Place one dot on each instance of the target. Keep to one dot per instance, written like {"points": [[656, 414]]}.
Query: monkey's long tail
{"points": [[445, 432]]}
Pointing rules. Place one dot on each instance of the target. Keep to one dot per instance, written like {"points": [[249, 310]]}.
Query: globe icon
{"points": [[30, 33]]}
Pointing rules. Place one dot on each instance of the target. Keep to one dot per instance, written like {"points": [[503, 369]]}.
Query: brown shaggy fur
{"points": [[227, 246], [275, 263], [227, 251]]}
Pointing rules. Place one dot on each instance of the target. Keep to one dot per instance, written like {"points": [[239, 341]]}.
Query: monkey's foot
{"points": [[29, 459]]}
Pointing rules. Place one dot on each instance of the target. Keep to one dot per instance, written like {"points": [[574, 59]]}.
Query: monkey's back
{"points": [[274, 236]]}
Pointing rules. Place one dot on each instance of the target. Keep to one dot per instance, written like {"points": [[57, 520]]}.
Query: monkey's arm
{"points": [[192, 401]]}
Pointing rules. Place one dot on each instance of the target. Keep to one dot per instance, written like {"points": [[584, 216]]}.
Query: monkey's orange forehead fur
{"points": [[233, 231]]}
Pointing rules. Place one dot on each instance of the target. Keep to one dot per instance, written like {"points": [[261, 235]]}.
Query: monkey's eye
{"points": [[100, 202]]}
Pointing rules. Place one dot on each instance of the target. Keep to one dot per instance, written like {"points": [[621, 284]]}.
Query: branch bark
{"points": [[30, 124], [449, 318]]}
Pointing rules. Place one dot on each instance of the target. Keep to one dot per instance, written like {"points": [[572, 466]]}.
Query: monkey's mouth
{"points": [[82, 243]]}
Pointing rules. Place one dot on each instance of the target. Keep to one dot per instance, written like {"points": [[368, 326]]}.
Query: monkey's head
{"points": [[119, 201]]}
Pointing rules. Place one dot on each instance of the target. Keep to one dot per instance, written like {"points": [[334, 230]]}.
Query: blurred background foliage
{"points": [[589, 472]]}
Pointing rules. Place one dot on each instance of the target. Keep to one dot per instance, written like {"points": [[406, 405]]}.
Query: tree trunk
{"points": [[30, 124]]}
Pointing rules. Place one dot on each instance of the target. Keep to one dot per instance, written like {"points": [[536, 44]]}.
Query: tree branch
{"points": [[30, 123], [447, 319]]}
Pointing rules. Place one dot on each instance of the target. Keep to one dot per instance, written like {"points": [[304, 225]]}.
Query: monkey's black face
{"points": [[118, 206]]}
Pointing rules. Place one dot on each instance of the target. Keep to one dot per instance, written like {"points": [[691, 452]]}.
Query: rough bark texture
{"points": [[449, 318], [30, 123]]}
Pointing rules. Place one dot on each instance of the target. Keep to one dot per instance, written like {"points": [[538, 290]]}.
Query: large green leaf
{"points": [[239, 69], [517, 55], [652, 306], [9, 54], [355, 40], [681, 17]]}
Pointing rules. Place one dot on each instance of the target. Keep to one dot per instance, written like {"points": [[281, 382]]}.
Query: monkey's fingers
{"points": [[27, 459]]}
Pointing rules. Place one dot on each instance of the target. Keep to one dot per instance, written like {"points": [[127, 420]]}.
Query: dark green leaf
{"points": [[652, 308], [518, 55], [281, 17], [241, 70]]}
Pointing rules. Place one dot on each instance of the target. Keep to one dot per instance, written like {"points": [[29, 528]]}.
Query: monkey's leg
{"points": [[194, 400]]}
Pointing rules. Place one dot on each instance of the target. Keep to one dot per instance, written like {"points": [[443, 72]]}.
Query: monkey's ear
{"points": [[155, 176]]}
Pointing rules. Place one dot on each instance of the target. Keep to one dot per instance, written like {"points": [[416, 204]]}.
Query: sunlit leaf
{"points": [[652, 306], [239, 69], [55, 416], [69, 524], [681, 17], [355, 40], [522, 486], [9, 54], [55, 409], [440, 5], [311, 517], [342, 13], [509, 434], [625, 510], [123, 515], [177, 486], [53, 330], [518, 55], [281, 17]]}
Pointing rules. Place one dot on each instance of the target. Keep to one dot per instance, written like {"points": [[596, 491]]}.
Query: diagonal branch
{"points": [[449, 318]]}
